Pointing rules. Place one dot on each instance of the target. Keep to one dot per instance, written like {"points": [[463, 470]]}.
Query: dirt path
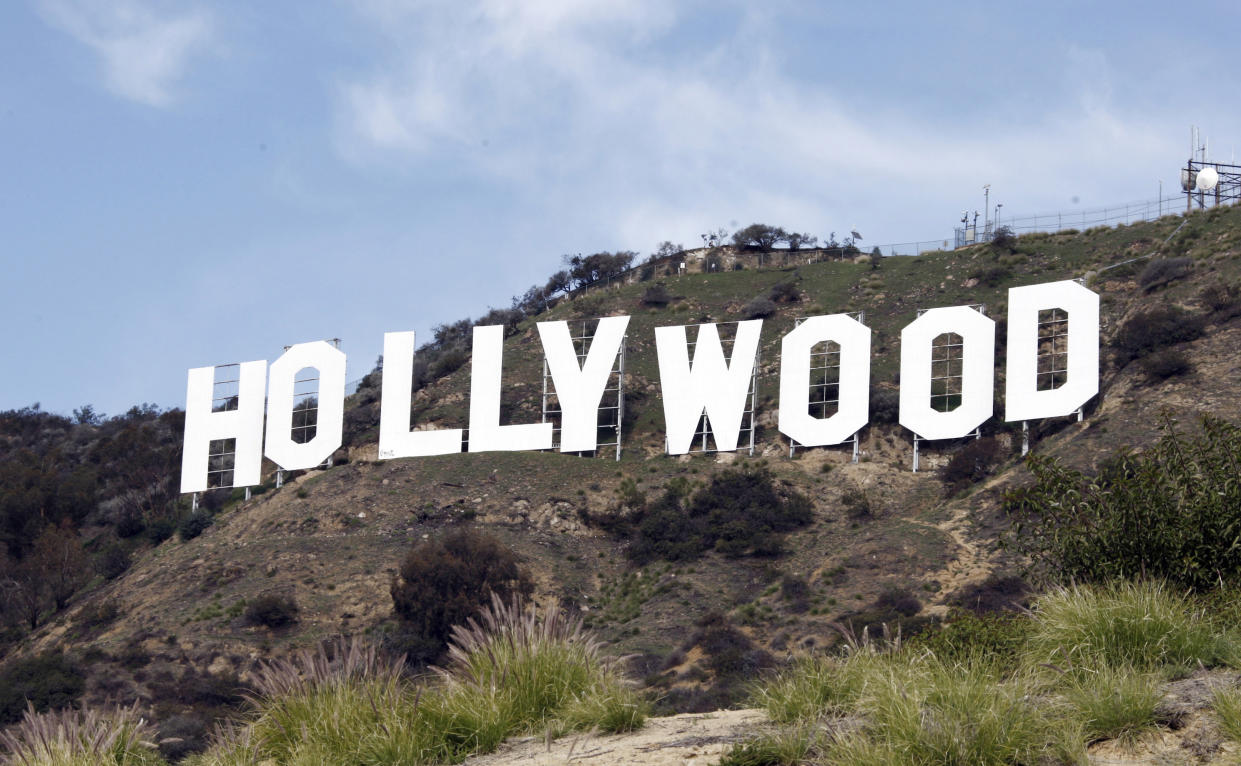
{"points": [[690, 739]]}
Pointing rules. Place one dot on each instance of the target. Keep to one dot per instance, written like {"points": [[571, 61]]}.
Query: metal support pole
{"points": [[194, 502], [856, 446], [916, 440], [1025, 438], [279, 478], [754, 397], [620, 398], [247, 493]]}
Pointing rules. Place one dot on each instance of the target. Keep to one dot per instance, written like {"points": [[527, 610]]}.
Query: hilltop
{"points": [[880, 545]]}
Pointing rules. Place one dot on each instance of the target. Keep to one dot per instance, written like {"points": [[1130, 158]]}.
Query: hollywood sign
{"points": [[706, 383]]}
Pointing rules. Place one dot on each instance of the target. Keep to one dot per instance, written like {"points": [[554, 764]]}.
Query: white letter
{"points": [[486, 433], [977, 372], [1023, 400], [711, 384], [202, 426], [854, 390], [330, 364], [579, 387], [395, 438]]}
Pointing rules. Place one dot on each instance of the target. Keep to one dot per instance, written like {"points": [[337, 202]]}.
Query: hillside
{"points": [[882, 544]]}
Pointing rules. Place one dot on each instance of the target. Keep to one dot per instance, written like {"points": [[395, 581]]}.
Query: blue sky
{"points": [[192, 183]]}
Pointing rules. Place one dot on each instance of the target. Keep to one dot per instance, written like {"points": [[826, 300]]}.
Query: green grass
{"points": [[1226, 709], [81, 738], [785, 747], [925, 712], [1142, 625], [1115, 703], [519, 670]]}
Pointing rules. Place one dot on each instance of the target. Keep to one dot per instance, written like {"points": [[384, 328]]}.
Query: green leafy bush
{"points": [[1172, 513], [193, 525], [48, 681], [759, 308]]}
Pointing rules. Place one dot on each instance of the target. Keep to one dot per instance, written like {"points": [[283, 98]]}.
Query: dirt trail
{"points": [[692, 739]]}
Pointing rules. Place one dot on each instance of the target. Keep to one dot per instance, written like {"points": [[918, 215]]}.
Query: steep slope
{"points": [[331, 540]]}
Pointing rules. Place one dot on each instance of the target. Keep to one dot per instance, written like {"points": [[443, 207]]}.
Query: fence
{"points": [[1110, 215]]}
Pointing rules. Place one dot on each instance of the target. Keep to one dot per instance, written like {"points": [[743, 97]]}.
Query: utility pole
{"points": [[986, 210]]}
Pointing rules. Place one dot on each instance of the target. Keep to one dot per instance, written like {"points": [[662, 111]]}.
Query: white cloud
{"points": [[143, 54], [594, 110]]}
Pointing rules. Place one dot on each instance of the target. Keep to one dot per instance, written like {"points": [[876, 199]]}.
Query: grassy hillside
{"points": [[881, 545]]}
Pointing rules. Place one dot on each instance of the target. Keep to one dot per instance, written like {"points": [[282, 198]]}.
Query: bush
{"points": [[885, 405], [1004, 239], [1155, 329], [47, 681], [271, 610], [759, 308], [785, 292], [443, 582], [114, 560], [1160, 272], [1220, 299], [1171, 513], [971, 464], [160, 530], [997, 593], [991, 276], [193, 525], [740, 512], [656, 295], [1168, 363], [964, 637]]}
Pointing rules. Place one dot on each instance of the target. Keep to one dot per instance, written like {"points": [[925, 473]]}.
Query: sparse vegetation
{"points": [[443, 582]]}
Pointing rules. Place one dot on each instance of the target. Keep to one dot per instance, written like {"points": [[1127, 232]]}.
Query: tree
{"points": [[797, 241], [58, 554], [760, 235], [25, 589]]}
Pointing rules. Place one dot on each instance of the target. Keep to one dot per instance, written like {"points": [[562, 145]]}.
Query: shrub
{"points": [[271, 610], [81, 738], [1154, 329], [785, 747], [1168, 363], [160, 530], [900, 600], [759, 308], [443, 582], [46, 681], [193, 525], [816, 686], [856, 504], [1220, 299], [742, 511], [1171, 512], [114, 560], [998, 638], [885, 405], [785, 292], [991, 276], [972, 463], [656, 295], [1004, 239], [1164, 270]]}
